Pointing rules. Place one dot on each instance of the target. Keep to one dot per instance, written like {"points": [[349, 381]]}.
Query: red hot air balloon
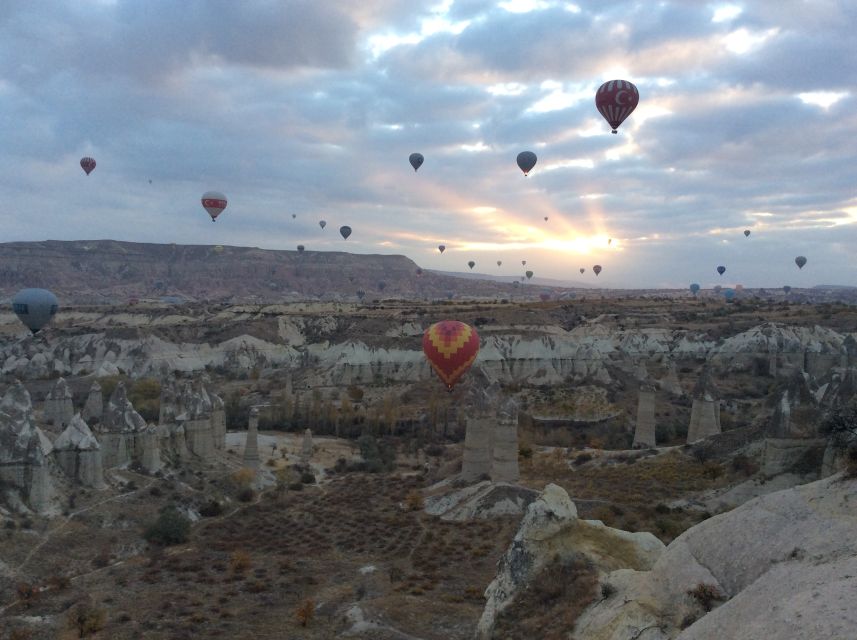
{"points": [[597, 269], [451, 347], [87, 164], [615, 100], [214, 203]]}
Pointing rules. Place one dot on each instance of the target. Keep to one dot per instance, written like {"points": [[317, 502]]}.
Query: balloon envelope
{"points": [[787, 289], [529, 274], [322, 223], [729, 294], [746, 233], [524, 263], [721, 270], [597, 269], [382, 285], [88, 164], [301, 248], [361, 294], [416, 160], [499, 262], [345, 231], [450, 347], [582, 269], [214, 203], [800, 261], [441, 247], [718, 288], [35, 307], [471, 264], [694, 288], [616, 100], [526, 161]]}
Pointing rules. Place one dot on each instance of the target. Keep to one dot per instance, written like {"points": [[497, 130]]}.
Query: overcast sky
{"points": [[746, 120]]}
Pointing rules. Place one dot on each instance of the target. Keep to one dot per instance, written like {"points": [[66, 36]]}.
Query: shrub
{"points": [[414, 500], [240, 561], [246, 495], [86, 620], [307, 477], [744, 464], [706, 595], [20, 634], [211, 509], [28, 594], [582, 459], [171, 527], [305, 612], [607, 590], [851, 462]]}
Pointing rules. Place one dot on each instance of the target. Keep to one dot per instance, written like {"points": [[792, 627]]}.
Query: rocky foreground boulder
{"points": [[783, 565]]}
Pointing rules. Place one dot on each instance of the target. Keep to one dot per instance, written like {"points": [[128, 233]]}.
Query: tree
{"points": [[171, 527], [841, 426], [305, 612]]}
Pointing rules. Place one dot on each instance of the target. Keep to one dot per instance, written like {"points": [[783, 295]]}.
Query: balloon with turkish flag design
{"points": [[616, 100], [214, 203], [450, 347]]}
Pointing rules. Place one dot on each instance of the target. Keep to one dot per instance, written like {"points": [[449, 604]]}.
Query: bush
{"points": [[744, 464], [305, 612], [607, 590], [525, 452], [171, 527], [211, 509], [86, 620], [240, 561], [379, 455], [582, 459], [414, 500], [307, 477], [246, 495], [706, 595], [851, 462]]}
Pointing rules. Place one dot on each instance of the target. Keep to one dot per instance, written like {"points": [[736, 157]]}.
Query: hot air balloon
{"points": [[615, 100], [361, 294], [87, 164], [582, 269], [787, 289], [499, 263], [546, 218], [345, 231], [322, 223], [35, 307], [218, 249], [300, 248], [526, 161], [516, 284], [441, 247], [718, 288], [450, 295], [214, 202], [597, 269], [382, 285], [294, 215], [729, 294], [721, 270], [746, 233], [739, 287], [523, 263], [471, 264], [529, 274], [609, 241], [450, 347], [800, 261], [694, 288], [416, 160], [544, 296]]}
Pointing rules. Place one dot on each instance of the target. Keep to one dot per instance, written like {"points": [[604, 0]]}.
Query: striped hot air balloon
{"points": [[451, 347], [87, 164], [615, 100]]}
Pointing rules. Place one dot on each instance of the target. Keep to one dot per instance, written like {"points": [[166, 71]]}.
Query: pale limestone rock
{"points": [[504, 460], [59, 407], [670, 383], [78, 454], [93, 408], [481, 501], [306, 446], [251, 446], [644, 433], [150, 459], [478, 447], [119, 429]]}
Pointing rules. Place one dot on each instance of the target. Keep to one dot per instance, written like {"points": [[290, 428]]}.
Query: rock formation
{"points": [[644, 433], [93, 408], [306, 446], [119, 429], [792, 440], [24, 450], [504, 460], [78, 454], [59, 406], [705, 410], [150, 457], [481, 403], [670, 383], [251, 445]]}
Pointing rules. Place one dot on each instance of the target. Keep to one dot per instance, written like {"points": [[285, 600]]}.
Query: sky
{"points": [[310, 108]]}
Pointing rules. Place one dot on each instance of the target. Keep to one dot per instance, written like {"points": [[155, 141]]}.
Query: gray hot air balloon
{"points": [[694, 288], [345, 231], [721, 270], [499, 263], [416, 160], [526, 161], [529, 274], [361, 294], [717, 288], [471, 264], [597, 269], [800, 261], [746, 233], [300, 248], [582, 269], [441, 247], [322, 223], [35, 307], [787, 289]]}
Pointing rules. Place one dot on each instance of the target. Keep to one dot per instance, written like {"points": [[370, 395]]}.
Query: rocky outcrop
{"points": [[24, 450], [504, 458], [483, 500], [644, 433], [119, 430], [93, 408], [550, 528], [306, 446], [251, 445], [59, 406], [78, 454], [705, 410], [784, 564]]}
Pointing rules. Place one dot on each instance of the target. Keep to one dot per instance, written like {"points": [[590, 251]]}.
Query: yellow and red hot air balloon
{"points": [[451, 347]]}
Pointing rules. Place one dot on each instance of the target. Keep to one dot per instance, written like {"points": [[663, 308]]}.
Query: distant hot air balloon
{"points": [[361, 294], [441, 247], [615, 100], [499, 263], [718, 288], [721, 270], [597, 269], [529, 274], [524, 263], [516, 284], [746, 233], [609, 241], [322, 223], [294, 215], [694, 288], [382, 285], [450, 347], [739, 287], [214, 202], [218, 249], [471, 264], [300, 248], [450, 295], [87, 164], [787, 289], [582, 269], [729, 294], [345, 231], [526, 161], [35, 307], [416, 160], [800, 261], [546, 218]]}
